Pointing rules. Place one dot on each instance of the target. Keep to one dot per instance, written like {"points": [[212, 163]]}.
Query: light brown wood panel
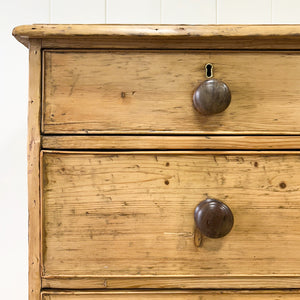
{"points": [[162, 36], [161, 31], [104, 221], [151, 92], [131, 214], [33, 162], [170, 142], [188, 295], [188, 282], [242, 43]]}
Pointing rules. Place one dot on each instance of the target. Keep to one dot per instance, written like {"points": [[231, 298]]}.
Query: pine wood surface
{"points": [[157, 282], [124, 220], [163, 36], [129, 42], [33, 155], [162, 31], [118, 214], [170, 142], [187, 295], [148, 92]]}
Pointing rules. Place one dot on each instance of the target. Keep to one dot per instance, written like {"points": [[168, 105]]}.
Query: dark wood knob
{"points": [[213, 218], [211, 97]]}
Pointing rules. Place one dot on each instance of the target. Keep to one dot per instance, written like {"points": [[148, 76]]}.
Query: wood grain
{"points": [[157, 282], [149, 92], [187, 295], [170, 142], [162, 31], [211, 97], [33, 152], [213, 218], [125, 220], [131, 215], [246, 43], [164, 36]]}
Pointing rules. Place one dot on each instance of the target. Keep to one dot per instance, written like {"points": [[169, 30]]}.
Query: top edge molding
{"points": [[158, 32]]}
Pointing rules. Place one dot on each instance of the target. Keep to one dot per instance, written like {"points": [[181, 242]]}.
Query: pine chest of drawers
{"points": [[163, 162]]}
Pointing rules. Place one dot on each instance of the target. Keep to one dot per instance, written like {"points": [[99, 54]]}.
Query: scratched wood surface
{"points": [[119, 214], [33, 162], [187, 295], [161, 31], [131, 42], [171, 282], [162, 36], [235, 142], [151, 92]]}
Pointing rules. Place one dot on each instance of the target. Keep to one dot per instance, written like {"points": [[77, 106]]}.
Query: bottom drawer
{"points": [[170, 295]]}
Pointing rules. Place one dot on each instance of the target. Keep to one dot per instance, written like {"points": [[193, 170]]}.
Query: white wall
{"points": [[175, 11], [14, 84]]}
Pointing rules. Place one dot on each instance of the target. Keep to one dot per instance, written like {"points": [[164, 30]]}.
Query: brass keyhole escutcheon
{"points": [[209, 70]]}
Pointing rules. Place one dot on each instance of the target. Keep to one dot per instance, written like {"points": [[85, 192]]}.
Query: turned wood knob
{"points": [[213, 218], [211, 97]]}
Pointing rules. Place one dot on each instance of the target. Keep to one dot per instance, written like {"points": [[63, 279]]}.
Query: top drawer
{"points": [[149, 92]]}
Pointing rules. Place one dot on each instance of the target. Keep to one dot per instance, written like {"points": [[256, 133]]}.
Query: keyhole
{"points": [[209, 70]]}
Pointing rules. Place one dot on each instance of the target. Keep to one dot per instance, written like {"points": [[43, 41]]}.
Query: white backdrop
{"points": [[14, 86]]}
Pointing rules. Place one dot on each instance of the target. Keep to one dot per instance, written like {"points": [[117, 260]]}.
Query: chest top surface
{"points": [[163, 36]]}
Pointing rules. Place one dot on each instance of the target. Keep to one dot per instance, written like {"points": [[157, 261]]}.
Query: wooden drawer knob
{"points": [[211, 97], [213, 218]]}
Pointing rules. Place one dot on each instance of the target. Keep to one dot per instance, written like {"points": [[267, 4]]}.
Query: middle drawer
{"points": [[132, 214]]}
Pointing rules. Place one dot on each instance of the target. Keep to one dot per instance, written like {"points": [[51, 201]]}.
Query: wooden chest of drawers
{"points": [[163, 158]]}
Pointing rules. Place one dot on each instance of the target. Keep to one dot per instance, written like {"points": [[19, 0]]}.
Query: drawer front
{"points": [[132, 214], [170, 295], [151, 92]]}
